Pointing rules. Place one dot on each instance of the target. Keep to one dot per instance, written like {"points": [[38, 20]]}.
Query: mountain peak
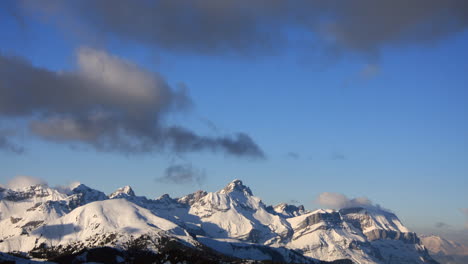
{"points": [[192, 198], [236, 186], [124, 191], [79, 187], [287, 210], [84, 195]]}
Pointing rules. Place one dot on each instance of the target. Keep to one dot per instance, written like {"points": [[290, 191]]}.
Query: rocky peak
{"points": [[287, 210], [236, 186], [38, 190], [192, 198], [123, 192], [82, 194], [165, 199]]}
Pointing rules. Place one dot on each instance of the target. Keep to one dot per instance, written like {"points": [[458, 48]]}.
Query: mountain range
{"points": [[80, 224], [445, 251]]}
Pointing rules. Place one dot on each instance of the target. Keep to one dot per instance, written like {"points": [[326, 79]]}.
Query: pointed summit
{"points": [[236, 186], [82, 194], [122, 192]]}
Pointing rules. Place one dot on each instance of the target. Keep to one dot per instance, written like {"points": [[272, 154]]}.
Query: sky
{"points": [[366, 100]]}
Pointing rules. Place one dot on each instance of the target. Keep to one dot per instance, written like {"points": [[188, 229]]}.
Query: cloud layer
{"points": [[259, 26], [108, 103], [338, 201]]}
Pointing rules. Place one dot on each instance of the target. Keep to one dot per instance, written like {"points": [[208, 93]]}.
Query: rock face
{"points": [[286, 210], [232, 221], [82, 195]]}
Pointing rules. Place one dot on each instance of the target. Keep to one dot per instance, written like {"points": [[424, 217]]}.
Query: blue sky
{"points": [[389, 125]]}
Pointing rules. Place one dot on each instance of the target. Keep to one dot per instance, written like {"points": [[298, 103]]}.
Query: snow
{"points": [[122, 192], [232, 221], [117, 216]]}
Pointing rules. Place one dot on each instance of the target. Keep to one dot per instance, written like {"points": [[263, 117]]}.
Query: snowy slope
{"points": [[98, 223], [323, 235], [439, 245], [234, 212], [446, 251], [27, 208], [232, 221], [364, 235]]}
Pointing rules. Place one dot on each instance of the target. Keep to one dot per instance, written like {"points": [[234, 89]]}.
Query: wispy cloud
{"points": [[441, 225], [369, 71], [182, 174], [338, 201], [7, 144], [338, 156], [293, 155], [24, 181]]}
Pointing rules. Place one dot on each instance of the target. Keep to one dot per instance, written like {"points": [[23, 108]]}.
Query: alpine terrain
{"points": [[231, 225], [445, 251]]}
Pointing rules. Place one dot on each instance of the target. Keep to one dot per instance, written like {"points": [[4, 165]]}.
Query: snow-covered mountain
{"points": [[231, 223], [445, 251]]}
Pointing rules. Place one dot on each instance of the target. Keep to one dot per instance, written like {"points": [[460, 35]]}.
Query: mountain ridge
{"points": [[231, 221]]}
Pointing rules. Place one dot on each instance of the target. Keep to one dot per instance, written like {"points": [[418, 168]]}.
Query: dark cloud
{"points": [[108, 103], [441, 225], [182, 174], [6, 144], [260, 26]]}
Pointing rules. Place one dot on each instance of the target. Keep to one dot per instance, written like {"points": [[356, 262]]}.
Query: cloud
{"points": [[369, 71], [338, 201], [441, 225], [24, 181], [293, 155], [7, 145], [108, 103], [259, 26], [182, 174], [338, 156], [67, 189]]}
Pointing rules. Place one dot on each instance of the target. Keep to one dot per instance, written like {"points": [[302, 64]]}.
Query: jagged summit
{"points": [[166, 198], [81, 188], [192, 198], [236, 186], [287, 210], [83, 194], [122, 192], [38, 191], [231, 221]]}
